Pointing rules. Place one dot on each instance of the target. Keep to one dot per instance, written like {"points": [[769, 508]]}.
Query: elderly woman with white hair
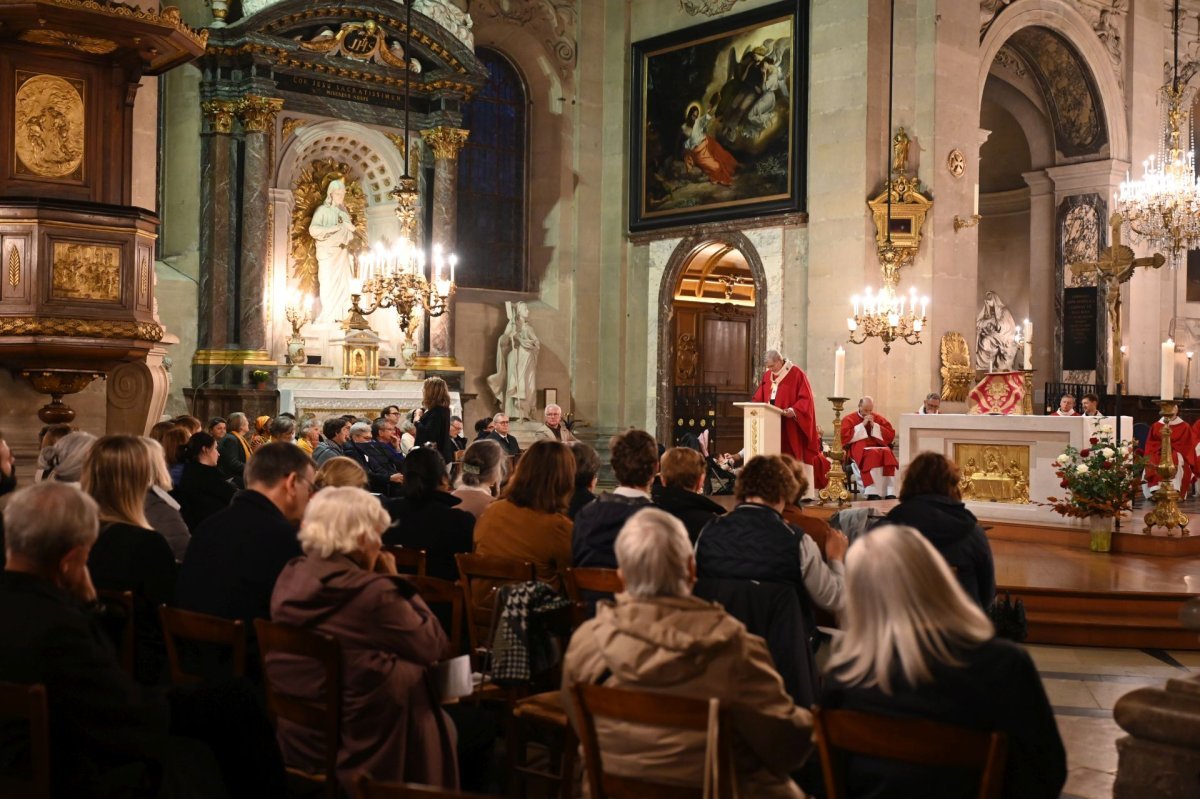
{"points": [[913, 644], [657, 637], [346, 587]]}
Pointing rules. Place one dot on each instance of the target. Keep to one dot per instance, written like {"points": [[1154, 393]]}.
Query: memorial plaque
{"points": [[1080, 321]]}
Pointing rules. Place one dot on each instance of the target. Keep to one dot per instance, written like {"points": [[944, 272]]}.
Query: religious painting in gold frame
{"points": [[49, 125], [85, 271], [993, 472]]}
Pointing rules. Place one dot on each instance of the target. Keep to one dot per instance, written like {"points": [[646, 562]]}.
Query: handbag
{"points": [[1008, 617]]}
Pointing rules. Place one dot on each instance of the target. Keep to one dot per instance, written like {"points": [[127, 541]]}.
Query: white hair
{"points": [[70, 454], [904, 612], [496, 419], [553, 405], [341, 520], [653, 553], [772, 355], [360, 428], [47, 520]]}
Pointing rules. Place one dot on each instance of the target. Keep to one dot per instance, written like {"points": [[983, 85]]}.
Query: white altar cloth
{"points": [[1046, 437]]}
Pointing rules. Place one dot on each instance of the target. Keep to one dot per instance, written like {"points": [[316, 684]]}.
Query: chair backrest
{"points": [[408, 560], [600, 581], [366, 788], [124, 601], [28, 703], [653, 710], [481, 576], [322, 714], [184, 625], [436, 591], [920, 742]]}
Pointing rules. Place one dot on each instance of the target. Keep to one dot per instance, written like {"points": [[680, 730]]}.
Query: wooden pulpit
{"points": [[760, 428]]}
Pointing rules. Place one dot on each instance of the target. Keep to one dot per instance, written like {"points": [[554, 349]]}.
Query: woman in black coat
{"points": [[425, 516], [931, 503], [433, 422], [203, 489]]}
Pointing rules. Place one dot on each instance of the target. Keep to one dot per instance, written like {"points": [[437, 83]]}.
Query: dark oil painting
{"points": [[718, 120]]}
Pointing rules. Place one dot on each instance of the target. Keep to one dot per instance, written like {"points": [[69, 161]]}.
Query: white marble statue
{"points": [[995, 336], [515, 383], [333, 231], [446, 14]]}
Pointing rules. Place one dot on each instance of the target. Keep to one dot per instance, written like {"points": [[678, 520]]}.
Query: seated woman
{"points": [[529, 521], [483, 468], [203, 489], [931, 503], [657, 637], [914, 644], [344, 586], [425, 516], [341, 472], [163, 509]]}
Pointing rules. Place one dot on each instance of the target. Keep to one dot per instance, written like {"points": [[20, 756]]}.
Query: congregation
{"points": [[343, 529]]}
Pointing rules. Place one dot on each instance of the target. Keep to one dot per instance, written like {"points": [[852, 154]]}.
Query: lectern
{"points": [[760, 428]]}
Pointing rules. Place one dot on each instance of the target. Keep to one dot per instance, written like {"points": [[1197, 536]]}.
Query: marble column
{"points": [[1042, 280], [445, 143], [257, 115], [218, 225]]}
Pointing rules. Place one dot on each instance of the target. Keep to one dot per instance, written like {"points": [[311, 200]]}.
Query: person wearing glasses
{"points": [[507, 442], [236, 554]]}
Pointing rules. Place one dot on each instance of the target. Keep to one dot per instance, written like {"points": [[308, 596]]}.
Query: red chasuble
{"points": [[1183, 448], [798, 436], [872, 451]]}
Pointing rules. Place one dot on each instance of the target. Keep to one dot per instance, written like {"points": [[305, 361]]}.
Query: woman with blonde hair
{"points": [[341, 472], [345, 586], [483, 470], [913, 644], [163, 511], [129, 555], [433, 419]]}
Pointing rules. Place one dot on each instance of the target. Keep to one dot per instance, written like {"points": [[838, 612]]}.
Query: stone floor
{"points": [[1083, 684]]}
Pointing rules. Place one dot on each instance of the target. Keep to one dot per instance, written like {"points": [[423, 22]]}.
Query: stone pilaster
{"points": [[218, 225], [445, 143], [257, 115]]}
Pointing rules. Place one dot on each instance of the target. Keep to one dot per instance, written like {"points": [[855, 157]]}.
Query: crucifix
{"points": [[1114, 267]]}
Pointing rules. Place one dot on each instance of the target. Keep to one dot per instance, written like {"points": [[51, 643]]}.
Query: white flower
{"points": [[1104, 428], [1106, 452], [1081, 469], [1063, 460]]}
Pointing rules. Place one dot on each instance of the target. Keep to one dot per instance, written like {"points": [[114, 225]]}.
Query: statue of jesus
{"points": [[333, 231]]}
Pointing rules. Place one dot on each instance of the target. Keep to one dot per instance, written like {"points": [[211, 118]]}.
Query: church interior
{"points": [[966, 227]]}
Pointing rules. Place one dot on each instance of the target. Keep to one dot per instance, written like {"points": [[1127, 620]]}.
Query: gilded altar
{"points": [[993, 472]]}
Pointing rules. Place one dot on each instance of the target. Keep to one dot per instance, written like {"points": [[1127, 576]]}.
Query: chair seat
{"points": [[545, 708]]}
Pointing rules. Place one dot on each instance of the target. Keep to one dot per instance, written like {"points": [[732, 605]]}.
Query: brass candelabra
{"points": [[836, 491], [1166, 511]]}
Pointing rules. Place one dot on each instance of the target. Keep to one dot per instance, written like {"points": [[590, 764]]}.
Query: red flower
{"points": [[1083, 453], [1093, 441], [1064, 484], [1139, 452], [1108, 464]]}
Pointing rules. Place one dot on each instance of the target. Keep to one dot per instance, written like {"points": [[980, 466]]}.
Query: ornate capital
{"points": [[219, 114], [445, 142], [258, 113]]}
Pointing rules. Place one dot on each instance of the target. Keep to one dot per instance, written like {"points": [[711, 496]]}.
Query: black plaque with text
{"points": [[1080, 323]]}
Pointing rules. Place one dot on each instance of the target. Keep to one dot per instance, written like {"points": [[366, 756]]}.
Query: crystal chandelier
{"points": [[395, 277], [1163, 208]]}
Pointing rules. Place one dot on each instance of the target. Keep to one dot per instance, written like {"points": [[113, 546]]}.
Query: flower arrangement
{"points": [[260, 376], [1100, 480]]}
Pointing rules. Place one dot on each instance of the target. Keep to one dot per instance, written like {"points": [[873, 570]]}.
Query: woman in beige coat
{"points": [[657, 637]]}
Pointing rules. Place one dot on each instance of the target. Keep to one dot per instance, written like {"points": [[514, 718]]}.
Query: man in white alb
{"points": [[1091, 406], [1066, 406], [932, 404]]}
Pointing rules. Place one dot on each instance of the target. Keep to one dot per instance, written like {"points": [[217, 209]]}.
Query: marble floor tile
{"points": [[1106, 694], [1090, 742], [1088, 784], [1069, 693]]}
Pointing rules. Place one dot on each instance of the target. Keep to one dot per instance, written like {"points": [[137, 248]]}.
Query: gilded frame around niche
{"points": [[49, 126]]}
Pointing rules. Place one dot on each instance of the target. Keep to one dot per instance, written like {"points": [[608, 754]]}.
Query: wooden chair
{"points": [[583, 584], [917, 741], [324, 714], [408, 560], [28, 703], [126, 649], [366, 788], [436, 591], [649, 709], [486, 574], [545, 710], [201, 628]]}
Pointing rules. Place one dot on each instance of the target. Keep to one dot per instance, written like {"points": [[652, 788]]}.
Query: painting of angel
{"points": [[718, 119]]}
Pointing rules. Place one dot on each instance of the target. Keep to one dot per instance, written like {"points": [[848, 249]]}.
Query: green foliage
{"points": [[1100, 480]]}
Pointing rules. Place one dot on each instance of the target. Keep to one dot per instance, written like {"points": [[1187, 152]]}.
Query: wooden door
{"points": [[714, 348]]}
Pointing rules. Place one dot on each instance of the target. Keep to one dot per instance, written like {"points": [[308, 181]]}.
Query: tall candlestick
{"points": [[1028, 354], [1167, 374], [839, 372]]}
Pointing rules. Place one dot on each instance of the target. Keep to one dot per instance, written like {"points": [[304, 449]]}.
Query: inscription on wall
{"points": [[1080, 309]]}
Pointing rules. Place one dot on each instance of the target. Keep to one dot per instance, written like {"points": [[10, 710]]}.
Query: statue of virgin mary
{"points": [[333, 232]]}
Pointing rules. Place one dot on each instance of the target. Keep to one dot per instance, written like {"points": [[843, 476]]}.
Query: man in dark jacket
{"points": [[236, 554], [682, 472], [234, 448], [635, 461], [383, 471], [501, 435], [337, 432], [587, 473]]}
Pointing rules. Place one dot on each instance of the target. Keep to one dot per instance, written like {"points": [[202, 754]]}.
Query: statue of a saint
{"points": [[996, 336], [333, 231], [900, 153], [515, 383]]}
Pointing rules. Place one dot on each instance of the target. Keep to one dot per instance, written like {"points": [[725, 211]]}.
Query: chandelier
{"points": [[395, 276], [1162, 209]]}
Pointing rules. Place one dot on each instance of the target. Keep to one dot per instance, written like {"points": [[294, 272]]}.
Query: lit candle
{"points": [[854, 300], [1027, 330], [893, 320], [453, 263], [355, 286], [839, 372], [1167, 377], [924, 305]]}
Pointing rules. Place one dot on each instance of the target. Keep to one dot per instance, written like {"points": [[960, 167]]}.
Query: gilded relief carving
{"points": [[87, 328], [75, 41], [144, 279], [956, 367], [290, 126], [48, 135], [14, 267], [86, 272], [993, 472], [686, 358]]}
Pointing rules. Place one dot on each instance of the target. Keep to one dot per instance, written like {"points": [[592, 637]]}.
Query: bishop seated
{"points": [[867, 437]]}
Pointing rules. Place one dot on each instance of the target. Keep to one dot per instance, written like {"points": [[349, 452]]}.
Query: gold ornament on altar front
{"points": [[49, 126], [993, 472], [957, 374], [75, 41], [308, 193], [85, 272]]}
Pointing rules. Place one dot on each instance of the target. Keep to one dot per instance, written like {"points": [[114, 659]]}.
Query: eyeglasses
{"points": [[310, 484]]}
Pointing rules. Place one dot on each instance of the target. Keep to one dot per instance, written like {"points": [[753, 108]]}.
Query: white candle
{"points": [[453, 263], [839, 372], [976, 211], [1028, 354], [1167, 377], [854, 300], [1027, 330]]}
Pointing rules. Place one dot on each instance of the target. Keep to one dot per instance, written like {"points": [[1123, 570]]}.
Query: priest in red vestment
{"points": [[785, 386], [867, 438], [1183, 450], [1066, 406]]}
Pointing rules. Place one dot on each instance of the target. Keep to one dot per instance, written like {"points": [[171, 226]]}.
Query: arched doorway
{"points": [[711, 331]]}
